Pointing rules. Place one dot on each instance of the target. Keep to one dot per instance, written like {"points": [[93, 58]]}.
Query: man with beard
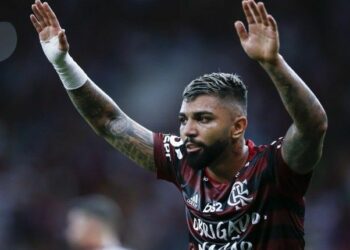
{"points": [[237, 195]]}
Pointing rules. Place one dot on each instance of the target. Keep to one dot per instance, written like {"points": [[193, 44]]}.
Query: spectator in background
{"points": [[94, 223]]}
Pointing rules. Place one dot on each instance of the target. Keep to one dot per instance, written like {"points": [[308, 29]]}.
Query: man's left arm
{"points": [[303, 142], [302, 145]]}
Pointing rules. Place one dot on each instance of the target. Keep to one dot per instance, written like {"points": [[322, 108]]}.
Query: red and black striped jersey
{"points": [[261, 208]]}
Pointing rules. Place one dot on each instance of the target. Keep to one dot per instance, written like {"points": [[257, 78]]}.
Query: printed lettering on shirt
{"points": [[239, 196], [213, 207], [244, 245], [229, 231], [174, 141]]}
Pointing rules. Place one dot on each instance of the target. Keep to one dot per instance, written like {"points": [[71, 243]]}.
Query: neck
{"points": [[230, 162]]}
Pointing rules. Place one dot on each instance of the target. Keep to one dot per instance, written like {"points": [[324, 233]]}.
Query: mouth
{"points": [[192, 148]]}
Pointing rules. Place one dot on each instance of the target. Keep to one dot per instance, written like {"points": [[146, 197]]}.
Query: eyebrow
{"points": [[198, 113]]}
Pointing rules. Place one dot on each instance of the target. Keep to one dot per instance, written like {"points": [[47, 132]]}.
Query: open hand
{"points": [[46, 24], [261, 41]]}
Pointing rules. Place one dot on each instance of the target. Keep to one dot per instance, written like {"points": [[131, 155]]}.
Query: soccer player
{"points": [[94, 223], [237, 195]]}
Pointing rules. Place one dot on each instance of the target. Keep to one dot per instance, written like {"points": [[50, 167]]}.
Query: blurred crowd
{"points": [[143, 53]]}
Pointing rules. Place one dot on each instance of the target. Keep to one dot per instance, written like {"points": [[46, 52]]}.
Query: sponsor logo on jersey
{"points": [[239, 196], [194, 201], [213, 207], [174, 141]]}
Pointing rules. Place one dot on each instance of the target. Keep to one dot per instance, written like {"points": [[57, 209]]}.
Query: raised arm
{"points": [[97, 108], [303, 142]]}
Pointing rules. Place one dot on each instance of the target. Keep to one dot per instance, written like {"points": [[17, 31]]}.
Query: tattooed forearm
{"points": [[109, 121], [94, 105], [301, 103], [133, 140]]}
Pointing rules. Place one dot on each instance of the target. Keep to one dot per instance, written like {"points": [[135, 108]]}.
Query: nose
{"points": [[189, 129]]}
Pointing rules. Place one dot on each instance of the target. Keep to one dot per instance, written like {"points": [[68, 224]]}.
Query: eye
{"points": [[182, 120], [204, 119]]}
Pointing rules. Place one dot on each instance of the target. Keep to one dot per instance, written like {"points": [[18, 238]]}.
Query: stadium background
{"points": [[143, 53]]}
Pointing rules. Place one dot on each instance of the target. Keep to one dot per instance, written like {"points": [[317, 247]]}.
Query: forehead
{"points": [[77, 215], [204, 103]]}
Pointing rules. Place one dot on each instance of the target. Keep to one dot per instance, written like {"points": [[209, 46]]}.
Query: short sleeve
{"points": [[288, 181], [167, 156]]}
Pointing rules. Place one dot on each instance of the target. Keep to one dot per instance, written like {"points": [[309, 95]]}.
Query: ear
{"points": [[239, 126]]}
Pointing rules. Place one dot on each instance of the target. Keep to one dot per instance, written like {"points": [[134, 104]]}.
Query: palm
{"points": [[262, 43], [48, 32]]}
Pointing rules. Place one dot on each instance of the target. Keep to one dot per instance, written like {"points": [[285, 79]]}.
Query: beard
{"points": [[209, 153]]}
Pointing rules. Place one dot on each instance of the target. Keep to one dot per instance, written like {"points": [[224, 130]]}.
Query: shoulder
{"points": [[171, 145]]}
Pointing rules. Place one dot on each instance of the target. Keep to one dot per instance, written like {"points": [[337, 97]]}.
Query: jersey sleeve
{"points": [[167, 156], [287, 180]]}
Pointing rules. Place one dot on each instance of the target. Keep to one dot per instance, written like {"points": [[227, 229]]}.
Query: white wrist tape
{"points": [[70, 73]]}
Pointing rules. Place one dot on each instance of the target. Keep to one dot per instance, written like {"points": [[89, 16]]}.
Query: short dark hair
{"points": [[101, 207], [223, 85]]}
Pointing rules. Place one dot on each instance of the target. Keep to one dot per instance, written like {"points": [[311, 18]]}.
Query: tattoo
{"points": [[302, 146], [109, 121], [302, 105], [133, 140], [300, 152]]}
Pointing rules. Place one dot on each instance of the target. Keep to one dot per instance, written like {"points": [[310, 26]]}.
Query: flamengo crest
{"points": [[239, 196]]}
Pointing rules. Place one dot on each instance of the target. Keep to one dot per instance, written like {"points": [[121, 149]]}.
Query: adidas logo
{"points": [[194, 201]]}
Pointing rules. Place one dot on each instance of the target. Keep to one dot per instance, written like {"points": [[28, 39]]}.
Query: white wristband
{"points": [[70, 73]]}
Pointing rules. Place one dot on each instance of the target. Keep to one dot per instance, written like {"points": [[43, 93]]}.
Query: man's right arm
{"points": [[98, 109], [109, 121]]}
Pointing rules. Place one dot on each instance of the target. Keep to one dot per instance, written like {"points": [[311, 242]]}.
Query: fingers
{"points": [[38, 16], [241, 31], [41, 12], [44, 15], [248, 12], [263, 13], [51, 15], [254, 10], [256, 13], [272, 22], [36, 23]]}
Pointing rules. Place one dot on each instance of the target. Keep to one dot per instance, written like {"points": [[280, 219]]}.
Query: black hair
{"points": [[223, 85], [101, 207]]}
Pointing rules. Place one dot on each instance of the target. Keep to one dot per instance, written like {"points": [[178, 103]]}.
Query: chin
{"points": [[207, 155], [197, 161]]}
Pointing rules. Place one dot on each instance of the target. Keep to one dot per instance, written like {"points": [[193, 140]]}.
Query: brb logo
{"points": [[213, 207], [239, 196], [174, 141]]}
